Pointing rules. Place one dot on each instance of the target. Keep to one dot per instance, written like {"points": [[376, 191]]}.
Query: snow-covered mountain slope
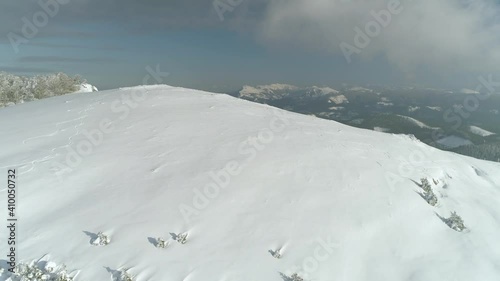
{"points": [[322, 90], [242, 180], [272, 91], [340, 99], [469, 91], [360, 89], [417, 122], [280, 91], [480, 131]]}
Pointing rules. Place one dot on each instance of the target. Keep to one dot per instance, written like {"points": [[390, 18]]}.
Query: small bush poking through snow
{"points": [[181, 238], [160, 243], [455, 222], [120, 274], [101, 240], [276, 254], [36, 272], [424, 182], [293, 277], [428, 194], [296, 277], [124, 276]]}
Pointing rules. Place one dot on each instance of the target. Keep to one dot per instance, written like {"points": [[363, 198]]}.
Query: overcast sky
{"points": [[222, 46]]}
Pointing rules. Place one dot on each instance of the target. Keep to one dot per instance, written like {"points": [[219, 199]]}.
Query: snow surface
{"points": [[417, 122], [381, 129], [278, 91], [339, 202], [262, 91], [325, 90], [383, 103], [337, 108], [87, 88], [360, 89], [435, 108], [480, 131], [469, 91], [340, 99], [413, 108]]}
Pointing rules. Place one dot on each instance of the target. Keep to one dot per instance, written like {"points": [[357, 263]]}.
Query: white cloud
{"points": [[445, 35]]}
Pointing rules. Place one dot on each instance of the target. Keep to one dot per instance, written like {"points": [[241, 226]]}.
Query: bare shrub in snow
{"points": [[55, 85], [276, 254], [293, 277], [124, 276], [455, 222], [120, 274], [428, 193], [160, 243], [38, 271], [181, 238], [101, 240], [20, 89]]}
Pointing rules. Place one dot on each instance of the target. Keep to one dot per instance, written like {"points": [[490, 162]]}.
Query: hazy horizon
{"points": [[221, 45]]}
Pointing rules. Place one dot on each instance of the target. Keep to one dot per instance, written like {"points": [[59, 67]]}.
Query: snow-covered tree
{"points": [[19, 89], [428, 193], [101, 240], [276, 254], [455, 222], [125, 276], [35, 271]]}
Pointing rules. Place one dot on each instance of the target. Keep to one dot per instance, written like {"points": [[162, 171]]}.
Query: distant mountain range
{"points": [[279, 91], [439, 117]]}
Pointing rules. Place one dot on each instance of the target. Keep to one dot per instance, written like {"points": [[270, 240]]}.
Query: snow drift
{"points": [[238, 191]]}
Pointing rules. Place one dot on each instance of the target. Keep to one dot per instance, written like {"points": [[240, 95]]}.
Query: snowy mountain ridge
{"points": [[264, 90], [191, 185], [278, 91]]}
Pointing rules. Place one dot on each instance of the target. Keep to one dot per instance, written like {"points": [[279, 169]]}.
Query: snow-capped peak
{"points": [[325, 90], [360, 89], [277, 91], [266, 91], [267, 88]]}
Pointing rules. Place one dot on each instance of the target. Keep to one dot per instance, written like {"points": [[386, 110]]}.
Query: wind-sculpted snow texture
{"points": [[227, 183]]}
